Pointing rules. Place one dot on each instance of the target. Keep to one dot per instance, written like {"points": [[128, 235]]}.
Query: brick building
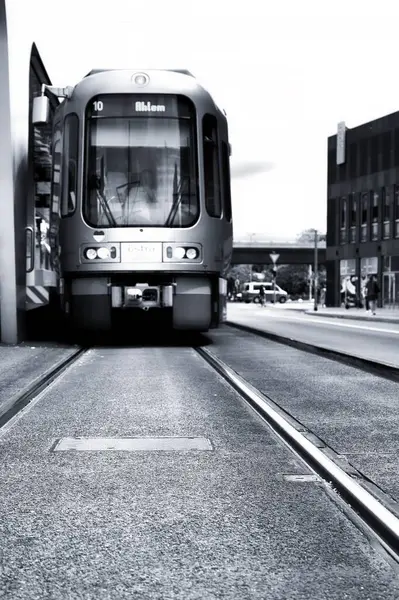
{"points": [[363, 211]]}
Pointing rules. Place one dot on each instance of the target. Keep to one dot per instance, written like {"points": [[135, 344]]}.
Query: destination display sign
{"points": [[140, 105]]}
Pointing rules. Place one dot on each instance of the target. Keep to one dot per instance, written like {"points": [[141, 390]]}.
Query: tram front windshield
{"points": [[140, 162]]}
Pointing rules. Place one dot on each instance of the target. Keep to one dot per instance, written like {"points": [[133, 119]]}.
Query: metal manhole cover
{"points": [[134, 444]]}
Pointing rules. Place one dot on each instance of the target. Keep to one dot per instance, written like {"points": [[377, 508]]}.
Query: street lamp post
{"points": [[316, 269], [251, 235]]}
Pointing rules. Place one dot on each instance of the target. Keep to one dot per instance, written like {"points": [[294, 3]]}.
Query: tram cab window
{"points": [[226, 181], [70, 165], [141, 169], [211, 166]]}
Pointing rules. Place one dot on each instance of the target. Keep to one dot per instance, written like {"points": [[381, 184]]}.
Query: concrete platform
{"points": [[374, 341], [383, 315], [231, 522]]}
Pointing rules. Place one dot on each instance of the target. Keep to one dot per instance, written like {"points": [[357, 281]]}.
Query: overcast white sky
{"points": [[285, 71]]}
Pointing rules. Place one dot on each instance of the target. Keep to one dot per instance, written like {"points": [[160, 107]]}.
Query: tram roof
{"points": [[182, 71]]}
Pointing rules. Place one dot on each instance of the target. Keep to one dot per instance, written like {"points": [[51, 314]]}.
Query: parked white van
{"points": [[251, 289]]}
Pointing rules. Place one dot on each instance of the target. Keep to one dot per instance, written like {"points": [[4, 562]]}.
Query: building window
{"points": [[374, 154], [332, 221], [396, 200], [352, 218], [364, 211], [70, 168], [374, 215], [332, 167], [386, 211], [386, 151], [211, 166], [353, 160], [364, 155], [343, 219]]}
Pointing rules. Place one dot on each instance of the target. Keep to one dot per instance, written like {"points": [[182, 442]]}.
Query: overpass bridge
{"points": [[291, 252]]}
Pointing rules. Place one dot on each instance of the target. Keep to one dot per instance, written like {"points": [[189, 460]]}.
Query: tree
{"points": [[307, 235], [240, 272], [293, 279]]}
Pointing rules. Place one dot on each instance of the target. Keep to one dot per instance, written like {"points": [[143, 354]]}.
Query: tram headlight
{"points": [[103, 253], [191, 253], [91, 253], [179, 252]]}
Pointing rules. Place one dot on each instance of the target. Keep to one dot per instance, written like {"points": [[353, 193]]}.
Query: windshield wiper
{"points": [[98, 184], [106, 208], [176, 202]]}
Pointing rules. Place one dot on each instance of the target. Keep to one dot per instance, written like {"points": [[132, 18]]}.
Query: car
{"points": [[251, 292]]}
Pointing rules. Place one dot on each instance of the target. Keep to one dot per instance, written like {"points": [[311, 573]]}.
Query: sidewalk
{"points": [[384, 315]]}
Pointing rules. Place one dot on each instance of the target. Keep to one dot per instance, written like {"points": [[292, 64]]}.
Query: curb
{"points": [[381, 369]]}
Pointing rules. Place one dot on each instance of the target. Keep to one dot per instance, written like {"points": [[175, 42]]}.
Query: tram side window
{"points": [[70, 170], [226, 181], [211, 166]]}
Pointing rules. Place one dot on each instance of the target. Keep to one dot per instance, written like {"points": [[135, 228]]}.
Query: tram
{"points": [[141, 198]]}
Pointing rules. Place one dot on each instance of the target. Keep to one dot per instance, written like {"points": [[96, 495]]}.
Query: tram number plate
{"points": [[137, 252]]}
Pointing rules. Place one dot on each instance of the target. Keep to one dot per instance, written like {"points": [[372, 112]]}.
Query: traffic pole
{"points": [[274, 258], [316, 268]]}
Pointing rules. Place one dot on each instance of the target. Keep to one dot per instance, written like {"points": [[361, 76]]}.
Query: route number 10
{"points": [[98, 105]]}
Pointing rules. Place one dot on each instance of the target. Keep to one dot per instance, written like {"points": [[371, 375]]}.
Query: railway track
{"points": [[364, 502], [18, 402]]}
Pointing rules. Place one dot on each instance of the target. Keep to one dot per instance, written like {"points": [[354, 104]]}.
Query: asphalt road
{"points": [[376, 341], [194, 524]]}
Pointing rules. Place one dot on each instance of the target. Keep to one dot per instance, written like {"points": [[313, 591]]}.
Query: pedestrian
{"points": [[372, 291], [262, 295], [237, 287], [323, 297]]}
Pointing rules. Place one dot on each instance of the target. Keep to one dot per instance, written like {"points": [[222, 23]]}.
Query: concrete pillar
{"points": [[15, 52]]}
